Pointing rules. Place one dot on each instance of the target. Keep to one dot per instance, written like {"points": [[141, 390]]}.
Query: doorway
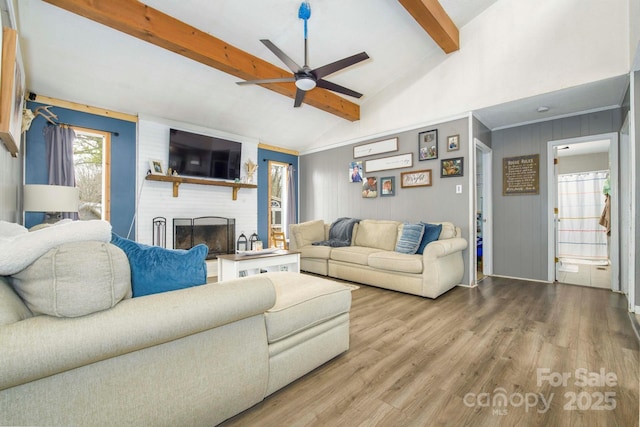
{"points": [[484, 216], [583, 193], [277, 198]]}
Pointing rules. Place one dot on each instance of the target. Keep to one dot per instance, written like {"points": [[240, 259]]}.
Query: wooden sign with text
{"points": [[521, 175]]}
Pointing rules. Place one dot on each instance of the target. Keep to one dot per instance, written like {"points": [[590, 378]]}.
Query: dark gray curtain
{"points": [[293, 200], [59, 145]]}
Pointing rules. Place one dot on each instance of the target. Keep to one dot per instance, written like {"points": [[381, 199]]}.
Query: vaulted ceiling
{"points": [[180, 60]]}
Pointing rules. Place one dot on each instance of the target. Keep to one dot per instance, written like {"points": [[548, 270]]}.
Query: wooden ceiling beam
{"points": [[432, 17], [146, 23]]}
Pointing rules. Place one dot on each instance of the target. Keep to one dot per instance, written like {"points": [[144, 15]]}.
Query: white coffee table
{"points": [[230, 266]]}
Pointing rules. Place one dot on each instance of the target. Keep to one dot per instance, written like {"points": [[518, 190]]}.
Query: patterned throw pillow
{"points": [[410, 239]]}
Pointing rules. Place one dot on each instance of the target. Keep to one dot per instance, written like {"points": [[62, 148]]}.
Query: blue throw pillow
{"points": [[410, 239], [431, 234], [155, 269]]}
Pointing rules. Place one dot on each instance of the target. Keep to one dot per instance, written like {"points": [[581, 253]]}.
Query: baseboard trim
{"points": [[522, 278]]}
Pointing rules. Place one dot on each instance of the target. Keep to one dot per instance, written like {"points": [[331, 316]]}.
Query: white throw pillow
{"points": [[75, 279]]}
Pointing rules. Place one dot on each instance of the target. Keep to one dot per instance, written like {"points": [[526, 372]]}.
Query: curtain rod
{"points": [[84, 127]]}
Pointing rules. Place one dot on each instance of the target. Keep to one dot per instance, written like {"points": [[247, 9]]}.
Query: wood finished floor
{"points": [[419, 362]]}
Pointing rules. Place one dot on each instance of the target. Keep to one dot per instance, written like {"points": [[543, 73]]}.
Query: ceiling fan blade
{"points": [[325, 70], [261, 81], [299, 97], [282, 56], [337, 88]]}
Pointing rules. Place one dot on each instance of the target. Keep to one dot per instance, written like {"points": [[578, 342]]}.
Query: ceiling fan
{"points": [[304, 77]]}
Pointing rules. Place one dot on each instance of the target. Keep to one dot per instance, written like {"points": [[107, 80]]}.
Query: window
{"points": [[91, 157]]}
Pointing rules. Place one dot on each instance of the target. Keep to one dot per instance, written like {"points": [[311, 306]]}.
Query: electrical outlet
{"points": [[459, 189]]}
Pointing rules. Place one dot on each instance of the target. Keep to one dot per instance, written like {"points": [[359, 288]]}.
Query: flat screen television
{"points": [[204, 156]]}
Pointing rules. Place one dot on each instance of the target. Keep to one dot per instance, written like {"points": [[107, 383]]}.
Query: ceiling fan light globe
{"points": [[305, 83]]}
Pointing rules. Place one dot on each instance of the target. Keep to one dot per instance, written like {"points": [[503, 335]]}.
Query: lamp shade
{"points": [[51, 198]]}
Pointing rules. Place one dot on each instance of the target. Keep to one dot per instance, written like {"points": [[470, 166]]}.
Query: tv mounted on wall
{"points": [[197, 155]]}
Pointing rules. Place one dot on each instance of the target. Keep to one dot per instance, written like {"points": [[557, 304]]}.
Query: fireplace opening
{"points": [[218, 233]]}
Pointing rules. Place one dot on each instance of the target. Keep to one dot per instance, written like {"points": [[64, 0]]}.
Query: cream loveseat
{"points": [[372, 259], [194, 356]]}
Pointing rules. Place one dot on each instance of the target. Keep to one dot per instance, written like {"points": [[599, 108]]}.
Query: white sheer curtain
{"points": [[580, 204]]}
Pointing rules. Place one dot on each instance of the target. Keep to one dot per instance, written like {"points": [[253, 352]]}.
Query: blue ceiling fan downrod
{"points": [[305, 13]]}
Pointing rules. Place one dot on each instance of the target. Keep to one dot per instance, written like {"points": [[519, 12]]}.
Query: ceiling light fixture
{"points": [[305, 83], [543, 109]]}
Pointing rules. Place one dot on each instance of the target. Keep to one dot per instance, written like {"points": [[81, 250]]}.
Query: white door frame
{"points": [[551, 203], [487, 209]]}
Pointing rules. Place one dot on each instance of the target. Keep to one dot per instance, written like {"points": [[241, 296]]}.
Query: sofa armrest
{"points": [[41, 346], [440, 248]]}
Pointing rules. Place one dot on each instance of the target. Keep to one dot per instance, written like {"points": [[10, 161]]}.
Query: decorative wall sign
{"points": [[428, 145], [452, 167], [521, 175], [386, 163], [415, 178], [377, 147]]}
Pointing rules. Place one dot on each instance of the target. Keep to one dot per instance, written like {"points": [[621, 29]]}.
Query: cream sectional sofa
{"points": [[193, 356], [371, 258]]}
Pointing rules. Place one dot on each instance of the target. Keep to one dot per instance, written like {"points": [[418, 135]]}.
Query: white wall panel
{"points": [[155, 199]]}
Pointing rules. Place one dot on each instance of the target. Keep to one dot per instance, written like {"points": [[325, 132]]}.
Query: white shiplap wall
{"points": [[156, 198]]}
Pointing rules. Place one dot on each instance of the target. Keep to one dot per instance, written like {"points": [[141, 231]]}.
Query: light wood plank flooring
{"points": [[420, 362]]}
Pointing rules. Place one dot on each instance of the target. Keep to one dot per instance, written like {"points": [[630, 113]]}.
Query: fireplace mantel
{"points": [[177, 180]]}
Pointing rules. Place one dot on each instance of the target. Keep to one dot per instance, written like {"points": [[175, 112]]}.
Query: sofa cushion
{"points": [[353, 254], [75, 279], [395, 261], [377, 234], [155, 269], [12, 308], [308, 232], [303, 301], [315, 251], [431, 234], [410, 238]]}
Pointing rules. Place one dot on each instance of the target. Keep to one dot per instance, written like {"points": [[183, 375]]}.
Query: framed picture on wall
{"points": [[156, 167], [355, 172], [387, 186], [370, 187], [453, 143], [12, 89], [428, 145], [452, 167]]}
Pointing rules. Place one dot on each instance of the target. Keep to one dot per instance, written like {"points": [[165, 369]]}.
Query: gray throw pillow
{"points": [[75, 279]]}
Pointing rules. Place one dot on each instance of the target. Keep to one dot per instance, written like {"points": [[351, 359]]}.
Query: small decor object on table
{"points": [[253, 241], [241, 246], [428, 145], [451, 167], [453, 143]]}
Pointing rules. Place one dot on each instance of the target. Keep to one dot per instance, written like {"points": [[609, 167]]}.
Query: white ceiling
{"points": [[72, 58]]}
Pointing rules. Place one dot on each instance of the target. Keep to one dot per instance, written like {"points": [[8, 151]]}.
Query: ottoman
{"points": [[307, 326]]}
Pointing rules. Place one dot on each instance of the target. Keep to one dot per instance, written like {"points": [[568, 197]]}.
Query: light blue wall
{"points": [[123, 161]]}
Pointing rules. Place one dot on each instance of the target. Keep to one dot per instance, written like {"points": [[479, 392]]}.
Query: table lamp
{"points": [[51, 199]]}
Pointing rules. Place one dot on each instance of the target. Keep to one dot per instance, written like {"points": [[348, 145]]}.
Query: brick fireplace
{"points": [[218, 233]]}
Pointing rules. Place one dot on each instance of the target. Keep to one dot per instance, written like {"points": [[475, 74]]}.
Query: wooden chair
{"points": [[278, 240]]}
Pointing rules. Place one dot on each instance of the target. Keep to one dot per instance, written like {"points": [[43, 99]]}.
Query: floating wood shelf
{"points": [[177, 180]]}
